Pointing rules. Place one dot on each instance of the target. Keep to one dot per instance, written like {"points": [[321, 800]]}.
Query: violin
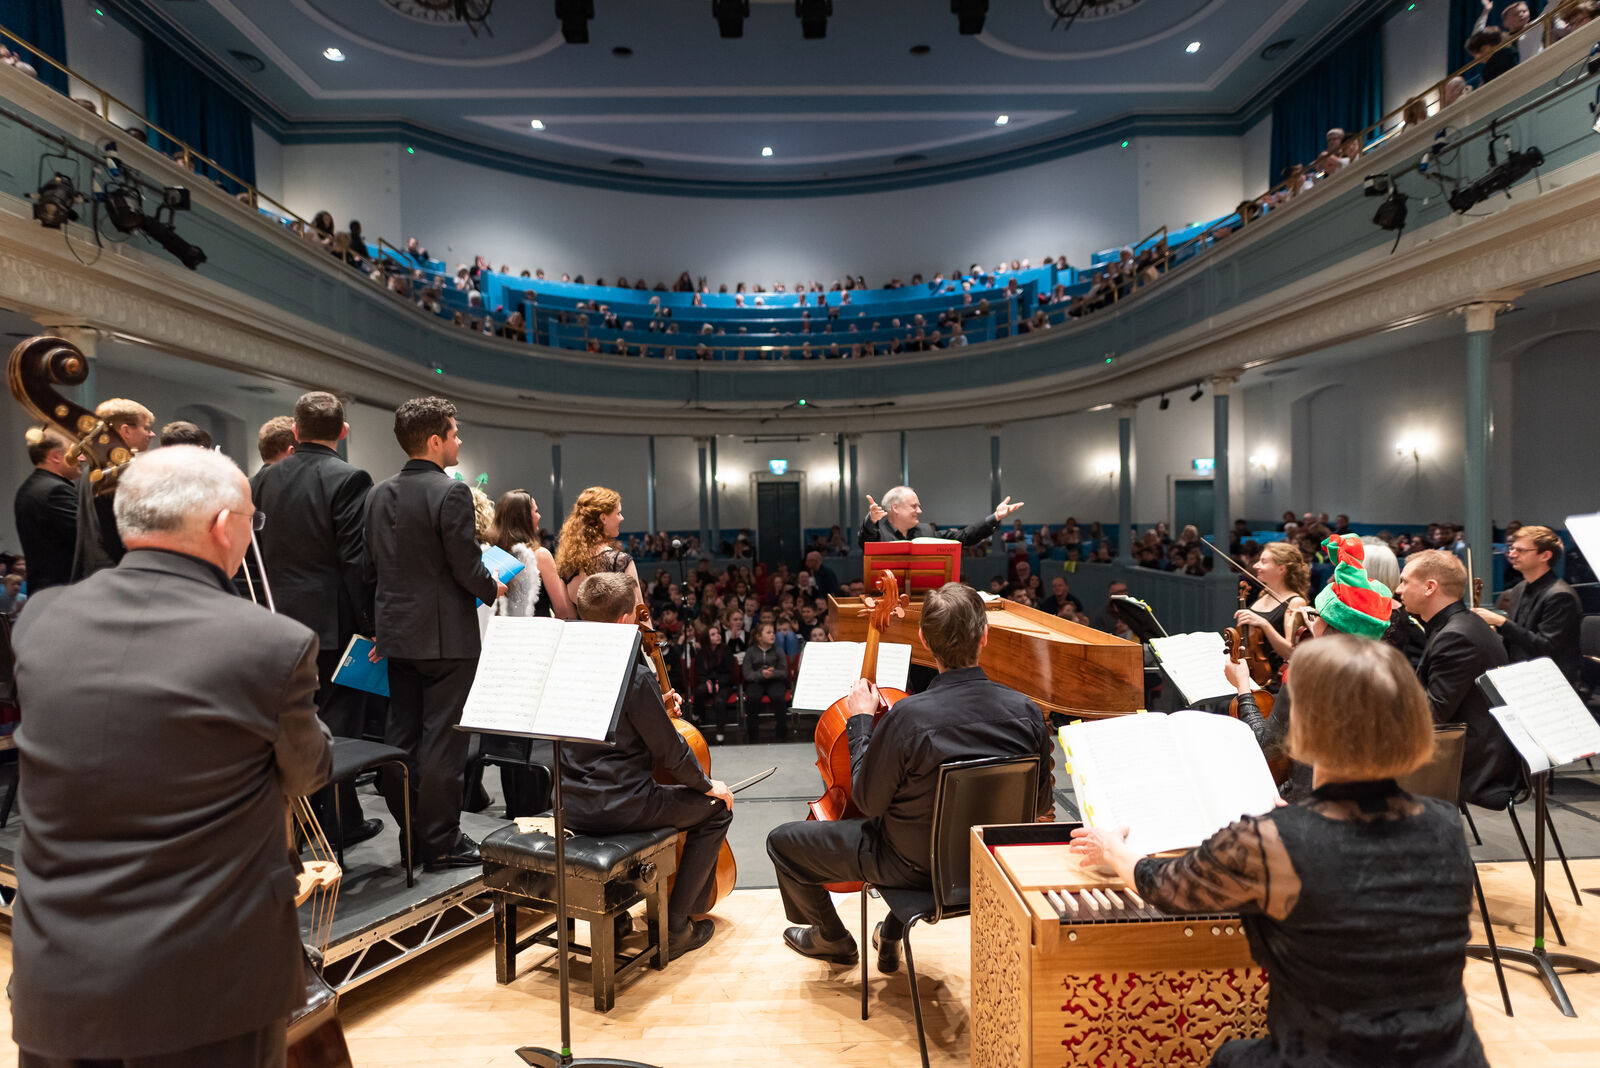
{"points": [[833, 745], [1477, 593], [727, 870], [1279, 765], [1254, 644]]}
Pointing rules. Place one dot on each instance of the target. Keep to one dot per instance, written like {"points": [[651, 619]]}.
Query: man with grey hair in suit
{"points": [[899, 518], [168, 720]]}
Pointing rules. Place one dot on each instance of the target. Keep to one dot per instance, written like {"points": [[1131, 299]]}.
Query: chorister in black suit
{"points": [[167, 720], [47, 525], [316, 503], [894, 772], [1543, 618], [607, 789], [422, 550], [1460, 648]]}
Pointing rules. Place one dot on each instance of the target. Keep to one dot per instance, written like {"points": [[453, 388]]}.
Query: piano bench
{"points": [[605, 877]]}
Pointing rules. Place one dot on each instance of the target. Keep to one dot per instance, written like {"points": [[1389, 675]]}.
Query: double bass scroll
{"points": [[33, 371]]}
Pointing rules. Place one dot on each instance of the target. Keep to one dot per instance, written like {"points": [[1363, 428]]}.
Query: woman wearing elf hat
{"points": [[1351, 603]]}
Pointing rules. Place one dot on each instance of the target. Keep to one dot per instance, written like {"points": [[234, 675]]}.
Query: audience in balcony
{"points": [[1484, 45]]}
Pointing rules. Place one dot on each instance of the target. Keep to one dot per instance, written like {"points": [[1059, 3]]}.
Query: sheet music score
{"points": [[1547, 706], [1532, 754], [1194, 664], [548, 677], [828, 671]]}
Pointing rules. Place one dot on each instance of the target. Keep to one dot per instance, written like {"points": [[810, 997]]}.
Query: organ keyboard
{"points": [[1072, 968]]}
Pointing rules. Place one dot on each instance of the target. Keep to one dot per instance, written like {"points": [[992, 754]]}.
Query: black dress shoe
{"points": [[692, 935], [464, 854], [808, 943], [367, 829], [888, 950]]}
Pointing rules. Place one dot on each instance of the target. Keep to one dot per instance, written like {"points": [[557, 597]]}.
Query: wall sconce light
{"points": [[1264, 461], [1414, 447], [1109, 466]]}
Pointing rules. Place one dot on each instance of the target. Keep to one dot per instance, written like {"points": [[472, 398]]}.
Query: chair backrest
{"points": [[1440, 777], [1589, 636], [973, 793]]}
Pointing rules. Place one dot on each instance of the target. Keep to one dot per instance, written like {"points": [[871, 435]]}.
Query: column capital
{"points": [[1480, 314], [1125, 409], [555, 436], [1222, 384], [85, 338]]}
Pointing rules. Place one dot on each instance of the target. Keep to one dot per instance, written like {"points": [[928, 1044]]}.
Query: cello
{"points": [[833, 747], [727, 870]]}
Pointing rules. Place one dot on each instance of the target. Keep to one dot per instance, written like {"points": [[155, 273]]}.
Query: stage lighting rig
{"points": [[574, 16], [730, 16], [969, 15], [1499, 179], [52, 204], [160, 231], [1199, 391], [813, 16]]}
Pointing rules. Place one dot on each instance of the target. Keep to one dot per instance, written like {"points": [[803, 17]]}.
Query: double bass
{"points": [[833, 746], [727, 869]]}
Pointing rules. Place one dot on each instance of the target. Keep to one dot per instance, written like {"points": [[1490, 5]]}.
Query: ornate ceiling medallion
{"points": [[1065, 12], [443, 12]]}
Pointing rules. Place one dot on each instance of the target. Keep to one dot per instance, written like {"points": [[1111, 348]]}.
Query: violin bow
{"points": [[1237, 566]]}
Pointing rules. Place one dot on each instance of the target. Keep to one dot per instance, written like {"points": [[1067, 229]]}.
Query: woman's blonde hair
{"points": [[1359, 712], [584, 532], [1297, 573]]}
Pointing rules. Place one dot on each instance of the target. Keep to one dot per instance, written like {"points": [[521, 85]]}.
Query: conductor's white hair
{"points": [[1381, 562], [896, 496], [168, 488]]}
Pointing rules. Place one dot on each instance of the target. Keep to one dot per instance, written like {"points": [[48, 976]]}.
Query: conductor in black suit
{"points": [[899, 518], [315, 567], [422, 549], [1459, 648], [47, 511], [167, 720]]}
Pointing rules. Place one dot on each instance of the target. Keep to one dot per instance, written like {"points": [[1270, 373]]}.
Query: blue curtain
{"points": [[190, 106], [1345, 89], [39, 23], [1463, 16]]}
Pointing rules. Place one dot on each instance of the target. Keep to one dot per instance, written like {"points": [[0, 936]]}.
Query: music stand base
{"points": [[1545, 964], [549, 1058]]}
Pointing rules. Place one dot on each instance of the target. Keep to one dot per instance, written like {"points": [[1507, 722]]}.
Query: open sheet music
{"points": [[1194, 664], [1546, 706], [551, 678], [1171, 780], [828, 671]]}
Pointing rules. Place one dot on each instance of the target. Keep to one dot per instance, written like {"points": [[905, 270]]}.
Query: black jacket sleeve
{"points": [[1453, 671], [349, 529], [669, 751], [875, 770], [1559, 618], [976, 534], [459, 534], [869, 532]]}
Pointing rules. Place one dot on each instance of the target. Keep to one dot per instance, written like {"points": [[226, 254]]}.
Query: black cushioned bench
{"points": [[605, 877]]}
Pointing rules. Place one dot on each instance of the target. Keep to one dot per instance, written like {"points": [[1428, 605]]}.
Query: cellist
{"points": [[894, 762], [611, 789]]}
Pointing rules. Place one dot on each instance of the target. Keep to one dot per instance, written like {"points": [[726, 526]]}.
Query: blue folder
{"points": [[501, 564], [358, 672]]}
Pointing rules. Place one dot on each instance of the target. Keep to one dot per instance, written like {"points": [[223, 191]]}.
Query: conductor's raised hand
{"points": [[875, 511], [720, 791], [1005, 508], [863, 699]]}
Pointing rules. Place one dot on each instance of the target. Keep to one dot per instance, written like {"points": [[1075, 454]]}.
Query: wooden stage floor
{"points": [[747, 1000]]}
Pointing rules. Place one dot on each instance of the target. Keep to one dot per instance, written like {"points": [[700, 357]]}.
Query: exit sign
{"points": [[778, 467], [1205, 465]]}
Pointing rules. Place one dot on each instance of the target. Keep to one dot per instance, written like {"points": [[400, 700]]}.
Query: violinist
{"points": [[1285, 585], [611, 789], [894, 762], [1351, 603]]}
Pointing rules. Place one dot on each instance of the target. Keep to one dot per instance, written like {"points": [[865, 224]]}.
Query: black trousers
{"points": [[705, 819], [425, 702], [344, 711], [266, 1048], [774, 688], [812, 853]]}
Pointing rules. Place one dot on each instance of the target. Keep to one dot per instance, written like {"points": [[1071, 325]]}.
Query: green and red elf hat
{"points": [[1351, 603]]}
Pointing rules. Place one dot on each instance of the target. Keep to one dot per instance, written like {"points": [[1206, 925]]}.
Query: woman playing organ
{"points": [[1356, 899]]}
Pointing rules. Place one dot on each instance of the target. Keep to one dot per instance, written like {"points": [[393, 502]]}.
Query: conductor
{"points": [[899, 518]]}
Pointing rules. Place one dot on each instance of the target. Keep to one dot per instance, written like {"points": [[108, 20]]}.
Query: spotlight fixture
{"points": [[1166, 402], [1391, 214], [1192, 47], [124, 206], [730, 16], [574, 16], [161, 232], [1199, 391], [813, 16], [1499, 179], [52, 204], [969, 15]]}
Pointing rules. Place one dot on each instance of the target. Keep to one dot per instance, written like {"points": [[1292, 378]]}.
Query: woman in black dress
{"points": [[1284, 572], [1355, 900], [588, 543]]}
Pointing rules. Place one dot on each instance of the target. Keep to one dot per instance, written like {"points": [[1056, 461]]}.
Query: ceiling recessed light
{"points": [[920, 50], [537, 124], [1001, 120], [1193, 47], [622, 51], [766, 150], [333, 55]]}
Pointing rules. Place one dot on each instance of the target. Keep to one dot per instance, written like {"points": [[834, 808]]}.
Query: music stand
{"points": [[1140, 617], [539, 1055]]}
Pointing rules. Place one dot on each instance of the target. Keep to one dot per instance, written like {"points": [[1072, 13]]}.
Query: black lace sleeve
{"points": [[612, 560], [1242, 868]]}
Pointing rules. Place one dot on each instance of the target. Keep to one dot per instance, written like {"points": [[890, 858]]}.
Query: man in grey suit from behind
{"points": [[422, 548], [167, 720]]}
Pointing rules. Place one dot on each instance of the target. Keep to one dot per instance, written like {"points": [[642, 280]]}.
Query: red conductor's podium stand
{"points": [[918, 566]]}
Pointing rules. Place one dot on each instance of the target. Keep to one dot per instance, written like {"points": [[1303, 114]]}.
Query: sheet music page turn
{"points": [[828, 670]]}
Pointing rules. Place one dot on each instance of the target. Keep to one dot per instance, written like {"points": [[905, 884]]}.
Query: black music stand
{"points": [[1140, 617], [539, 1055]]}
